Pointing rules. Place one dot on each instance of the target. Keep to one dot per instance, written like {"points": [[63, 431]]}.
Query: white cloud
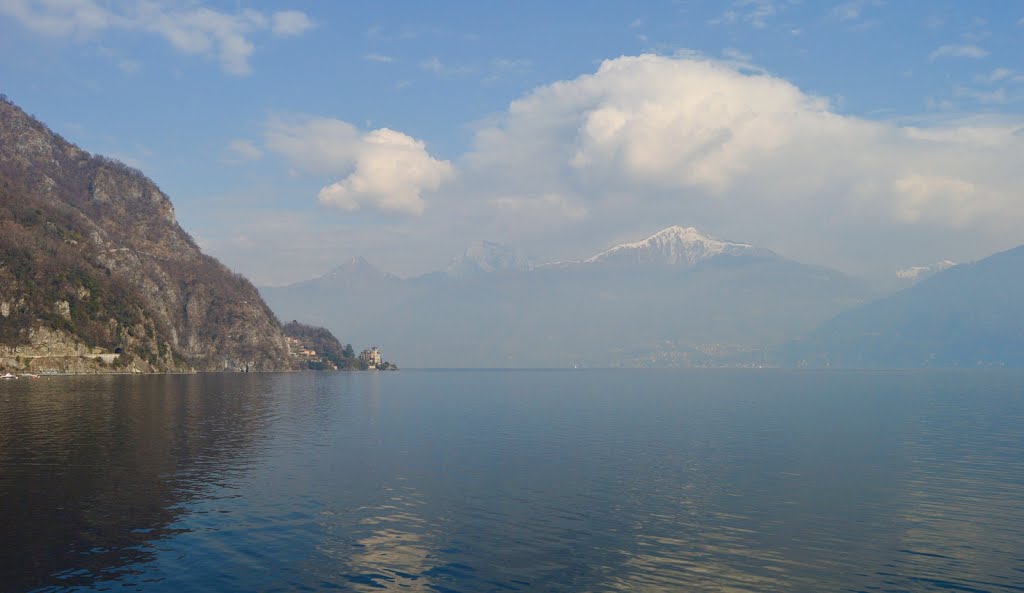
{"points": [[547, 208], [652, 140], [958, 51], [436, 66], [1000, 75], [951, 201], [379, 33], [993, 97], [290, 23], [73, 18], [129, 66], [378, 58], [432, 65], [314, 145], [511, 65], [382, 169], [852, 13], [754, 12], [245, 150], [736, 55], [501, 67], [995, 76], [847, 11], [191, 29]]}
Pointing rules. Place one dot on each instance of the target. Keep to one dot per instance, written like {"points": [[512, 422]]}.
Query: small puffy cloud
{"points": [[190, 29], [391, 170], [245, 150], [958, 51], [290, 23], [383, 169]]}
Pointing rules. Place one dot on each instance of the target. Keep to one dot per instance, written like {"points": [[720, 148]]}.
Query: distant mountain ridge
{"points": [[677, 298], [359, 268], [968, 315]]}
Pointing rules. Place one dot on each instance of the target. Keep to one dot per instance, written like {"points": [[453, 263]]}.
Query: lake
{"points": [[717, 480]]}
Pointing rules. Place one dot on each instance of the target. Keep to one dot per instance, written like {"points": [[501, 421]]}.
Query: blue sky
{"points": [[863, 135]]}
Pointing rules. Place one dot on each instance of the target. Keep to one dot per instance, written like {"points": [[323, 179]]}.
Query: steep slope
{"points": [[92, 261], [969, 315], [330, 354], [666, 308]]}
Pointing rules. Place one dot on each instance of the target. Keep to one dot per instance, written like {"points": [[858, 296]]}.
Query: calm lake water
{"points": [[515, 481]]}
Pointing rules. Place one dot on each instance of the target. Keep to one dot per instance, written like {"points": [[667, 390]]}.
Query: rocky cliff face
{"points": [[93, 262]]}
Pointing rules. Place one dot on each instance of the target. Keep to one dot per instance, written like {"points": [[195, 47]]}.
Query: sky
{"points": [[866, 135]]}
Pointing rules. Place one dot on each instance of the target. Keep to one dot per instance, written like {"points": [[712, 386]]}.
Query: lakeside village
{"points": [[345, 360]]}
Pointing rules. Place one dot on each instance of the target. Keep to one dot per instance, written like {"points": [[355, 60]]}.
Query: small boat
{"points": [[8, 376]]}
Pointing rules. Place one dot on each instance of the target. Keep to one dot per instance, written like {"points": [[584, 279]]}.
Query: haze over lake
{"points": [[639, 275], [515, 481]]}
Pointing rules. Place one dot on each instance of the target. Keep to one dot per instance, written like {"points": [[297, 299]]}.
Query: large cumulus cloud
{"points": [[689, 139]]}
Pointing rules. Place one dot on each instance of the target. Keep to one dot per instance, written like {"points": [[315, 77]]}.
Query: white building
{"points": [[371, 356]]}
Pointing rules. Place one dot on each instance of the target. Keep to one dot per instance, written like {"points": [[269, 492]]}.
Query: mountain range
{"points": [[968, 315], [677, 297], [97, 275]]}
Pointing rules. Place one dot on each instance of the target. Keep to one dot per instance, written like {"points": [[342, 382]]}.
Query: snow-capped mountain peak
{"points": [[356, 267], [915, 273], [488, 257], [675, 245]]}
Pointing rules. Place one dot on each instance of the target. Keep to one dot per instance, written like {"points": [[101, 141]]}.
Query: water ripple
{"points": [[515, 481]]}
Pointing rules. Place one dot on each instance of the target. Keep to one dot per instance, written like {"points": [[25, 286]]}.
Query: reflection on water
{"points": [[391, 550], [95, 470], [962, 509], [514, 481]]}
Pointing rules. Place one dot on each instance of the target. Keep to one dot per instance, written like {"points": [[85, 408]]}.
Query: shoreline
{"points": [[44, 374]]}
